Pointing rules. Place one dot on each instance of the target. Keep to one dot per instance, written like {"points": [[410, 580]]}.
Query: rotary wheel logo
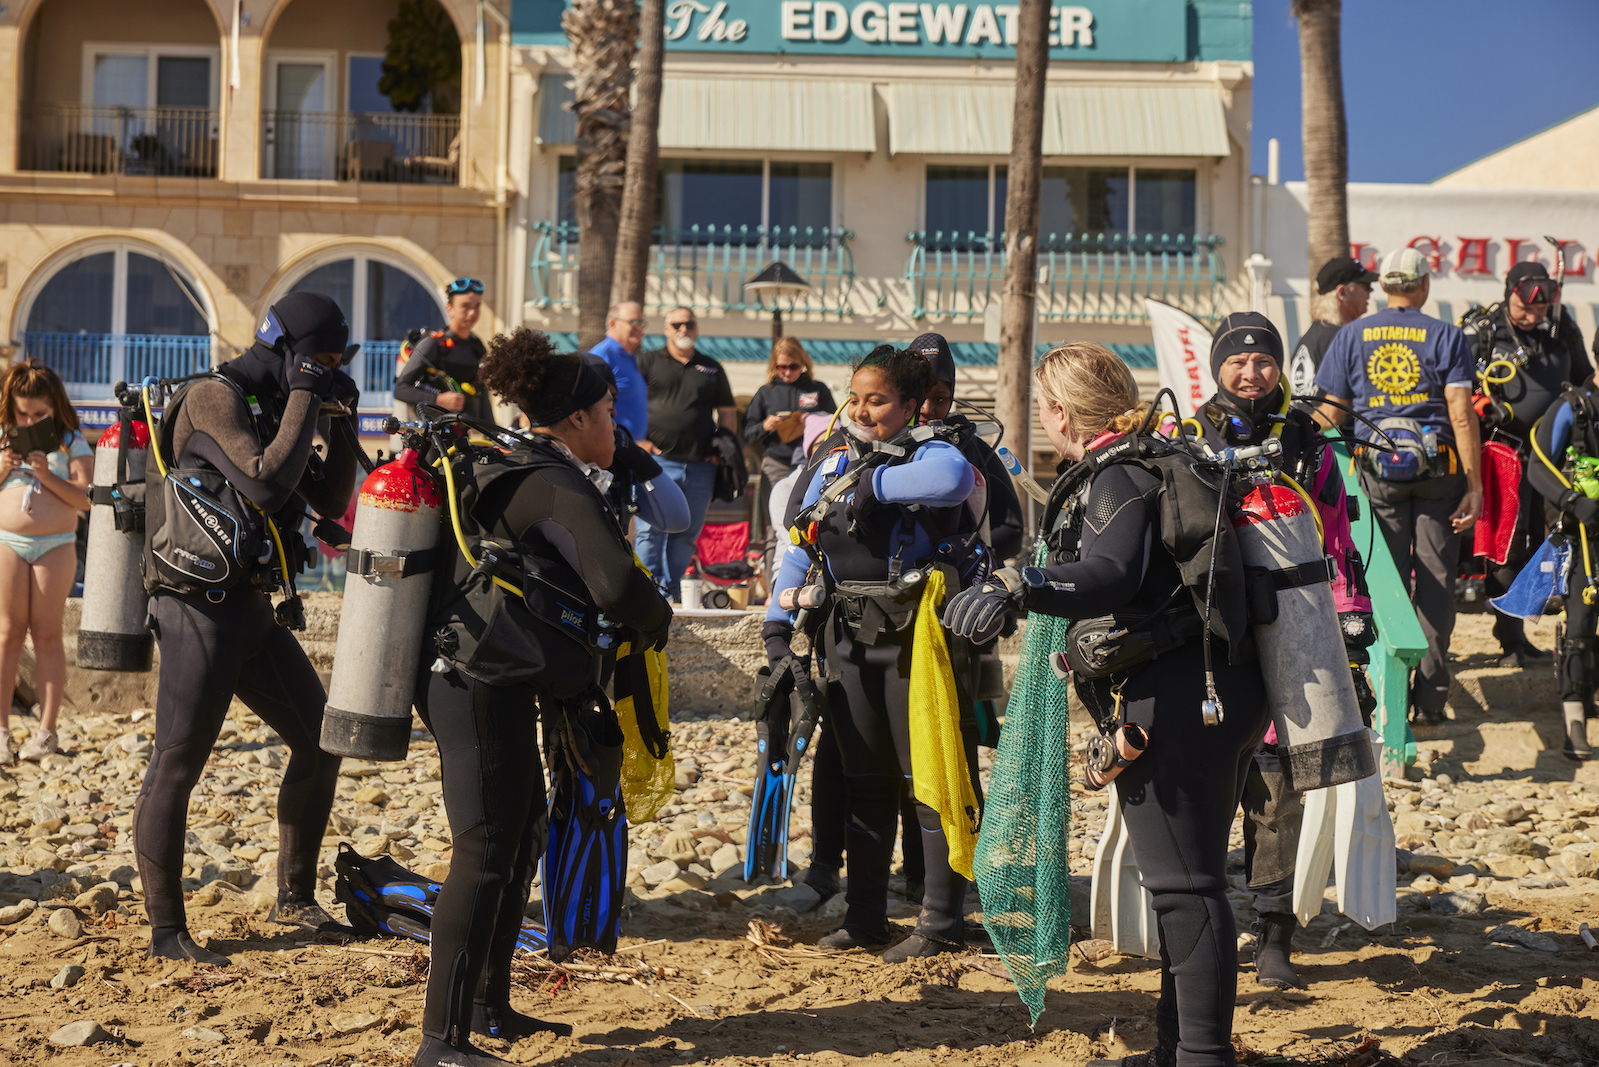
{"points": [[1394, 369]]}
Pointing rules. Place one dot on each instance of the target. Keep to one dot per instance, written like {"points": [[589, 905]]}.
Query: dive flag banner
{"points": [[1182, 352]]}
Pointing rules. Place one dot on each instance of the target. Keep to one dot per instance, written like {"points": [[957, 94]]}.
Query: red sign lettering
{"points": [[1434, 257], [1473, 256], [1357, 252]]}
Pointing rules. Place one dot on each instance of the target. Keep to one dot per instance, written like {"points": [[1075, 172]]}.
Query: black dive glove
{"points": [[1586, 509], [978, 614], [633, 460], [303, 372], [345, 391], [776, 635]]}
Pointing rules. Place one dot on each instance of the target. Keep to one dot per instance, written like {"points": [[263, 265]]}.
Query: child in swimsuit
{"points": [[40, 498]]}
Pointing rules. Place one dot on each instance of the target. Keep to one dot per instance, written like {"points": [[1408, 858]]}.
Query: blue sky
{"points": [[1476, 75]]}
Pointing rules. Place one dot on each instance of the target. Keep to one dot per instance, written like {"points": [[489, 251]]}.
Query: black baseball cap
{"points": [[1342, 271], [933, 348]]}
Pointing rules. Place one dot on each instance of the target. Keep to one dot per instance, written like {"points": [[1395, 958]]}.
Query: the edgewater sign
{"points": [[1125, 30]]}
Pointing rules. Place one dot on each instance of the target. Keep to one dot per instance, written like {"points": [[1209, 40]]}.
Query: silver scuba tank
{"points": [[1320, 737], [390, 566], [112, 635]]}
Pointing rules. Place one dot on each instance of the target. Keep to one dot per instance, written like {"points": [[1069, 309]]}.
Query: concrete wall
{"points": [[1443, 221]]}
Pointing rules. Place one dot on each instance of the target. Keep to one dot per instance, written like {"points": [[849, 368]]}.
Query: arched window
{"points": [[383, 301], [118, 312]]}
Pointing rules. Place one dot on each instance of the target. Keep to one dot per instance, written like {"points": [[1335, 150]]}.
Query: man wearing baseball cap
{"points": [[1528, 350], [1411, 376], [1343, 290]]}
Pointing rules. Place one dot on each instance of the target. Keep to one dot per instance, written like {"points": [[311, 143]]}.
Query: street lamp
{"points": [[778, 280]]}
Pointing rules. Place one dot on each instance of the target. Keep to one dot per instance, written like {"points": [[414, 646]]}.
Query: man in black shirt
{"points": [[1343, 290], [690, 397], [442, 368]]}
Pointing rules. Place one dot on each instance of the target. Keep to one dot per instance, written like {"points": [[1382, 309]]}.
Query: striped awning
{"points": [[768, 114], [944, 118]]}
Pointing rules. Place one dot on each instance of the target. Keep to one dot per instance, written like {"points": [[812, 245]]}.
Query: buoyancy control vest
{"points": [[1158, 619], [201, 534], [511, 614], [1520, 373]]}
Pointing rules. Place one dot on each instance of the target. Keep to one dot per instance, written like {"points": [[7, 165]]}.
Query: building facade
{"points": [[865, 145], [168, 168]]}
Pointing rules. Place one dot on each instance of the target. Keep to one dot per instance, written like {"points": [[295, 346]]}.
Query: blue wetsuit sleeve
{"points": [[1552, 434], [937, 475], [662, 504], [795, 564]]}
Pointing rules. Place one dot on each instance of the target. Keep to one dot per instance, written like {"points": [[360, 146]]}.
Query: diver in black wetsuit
{"points": [[556, 512], [223, 643], [1178, 779], [829, 811], [866, 540]]}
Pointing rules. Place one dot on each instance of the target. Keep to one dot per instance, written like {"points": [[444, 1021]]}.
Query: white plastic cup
{"points": [[693, 589]]}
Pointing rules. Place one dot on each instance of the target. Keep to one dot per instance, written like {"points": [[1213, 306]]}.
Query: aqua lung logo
{"points": [[209, 519]]}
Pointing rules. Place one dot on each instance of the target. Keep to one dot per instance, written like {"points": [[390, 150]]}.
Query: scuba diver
{"points": [[1251, 405], [241, 439], [1177, 737], [442, 368], [877, 514], [542, 505], [1528, 350], [1567, 434], [1004, 537]]}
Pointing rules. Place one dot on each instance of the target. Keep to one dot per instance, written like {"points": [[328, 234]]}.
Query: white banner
{"points": [[1182, 352]]}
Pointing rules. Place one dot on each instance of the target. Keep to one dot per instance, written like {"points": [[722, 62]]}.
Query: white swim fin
{"points": [[1363, 851], [1314, 861], [1124, 912]]}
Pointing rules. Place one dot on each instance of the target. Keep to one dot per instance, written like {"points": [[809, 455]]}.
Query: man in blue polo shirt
{"points": [[624, 332], [1412, 375]]}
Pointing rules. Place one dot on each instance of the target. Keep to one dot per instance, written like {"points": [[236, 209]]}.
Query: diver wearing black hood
{"points": [[255, 428]]}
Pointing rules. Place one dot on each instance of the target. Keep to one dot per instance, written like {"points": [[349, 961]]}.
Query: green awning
{"points": [[758, 114], [953, 118]]}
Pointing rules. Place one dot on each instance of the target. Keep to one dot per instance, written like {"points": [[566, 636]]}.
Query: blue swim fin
{"points": [[585, 863], [790, 706]]}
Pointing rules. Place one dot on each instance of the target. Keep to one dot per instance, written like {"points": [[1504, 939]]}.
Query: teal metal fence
{"points": [[1400, 642], [1081, 277], [705, 268]]}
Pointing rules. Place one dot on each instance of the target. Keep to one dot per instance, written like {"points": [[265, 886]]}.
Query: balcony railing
{"points": [[377, 373], [361, 147], [705, 268], [1082, 277], [90, 363], [98, 139]]}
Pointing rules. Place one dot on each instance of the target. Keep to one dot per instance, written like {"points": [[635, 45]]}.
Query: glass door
{"points": [[302, 136]]}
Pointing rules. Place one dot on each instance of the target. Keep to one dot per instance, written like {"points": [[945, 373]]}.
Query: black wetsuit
{"points": [[224, 644], [1553, 358], [488, 743], [1180, 796], [435, 357]]}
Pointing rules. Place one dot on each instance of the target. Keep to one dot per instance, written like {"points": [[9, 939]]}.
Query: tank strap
{"points": [[1313, 573], [402, 563]]}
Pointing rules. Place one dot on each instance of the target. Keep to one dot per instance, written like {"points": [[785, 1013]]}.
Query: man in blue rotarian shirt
{"points": [[1411, 375]]}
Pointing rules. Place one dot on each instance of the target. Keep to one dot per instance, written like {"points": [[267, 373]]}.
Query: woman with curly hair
{"points": [[872, 552], [547, 503], [40, 497]]}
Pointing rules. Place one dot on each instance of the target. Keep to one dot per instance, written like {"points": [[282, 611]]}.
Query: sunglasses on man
{"points": [[680, 326], [463, 285]]}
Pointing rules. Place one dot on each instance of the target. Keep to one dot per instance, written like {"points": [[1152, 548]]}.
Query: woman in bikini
{"points": [[40, 497]]}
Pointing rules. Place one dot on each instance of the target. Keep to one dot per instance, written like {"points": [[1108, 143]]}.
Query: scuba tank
{"points": [[113, 635], [1320, 735], [393, 549]]}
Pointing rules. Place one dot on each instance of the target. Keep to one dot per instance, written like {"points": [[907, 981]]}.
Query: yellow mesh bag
{"points": [[938, 758]]}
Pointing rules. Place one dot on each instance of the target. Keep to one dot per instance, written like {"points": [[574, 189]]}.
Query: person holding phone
{"points": [[45, 467]]}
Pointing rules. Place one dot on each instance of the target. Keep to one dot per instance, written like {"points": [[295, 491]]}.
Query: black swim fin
{"points": [[585, 864], [789, 705]]}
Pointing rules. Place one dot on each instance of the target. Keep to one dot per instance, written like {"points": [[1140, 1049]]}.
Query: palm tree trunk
{"points": [[604, 35], [1325, 136], [1024, 182], [643, 154]]}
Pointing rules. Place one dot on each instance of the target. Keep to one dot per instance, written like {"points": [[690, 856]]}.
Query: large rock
{"points": [[80, 1033]]}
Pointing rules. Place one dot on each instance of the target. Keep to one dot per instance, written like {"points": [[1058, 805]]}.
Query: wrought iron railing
{"points": [[705, 267], [378, 359], [90, 363], [100, 139], [1081, 277], [361, 146]]}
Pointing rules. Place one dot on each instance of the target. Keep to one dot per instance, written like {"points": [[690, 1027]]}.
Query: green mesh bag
{"points": [[1022, 869]]}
